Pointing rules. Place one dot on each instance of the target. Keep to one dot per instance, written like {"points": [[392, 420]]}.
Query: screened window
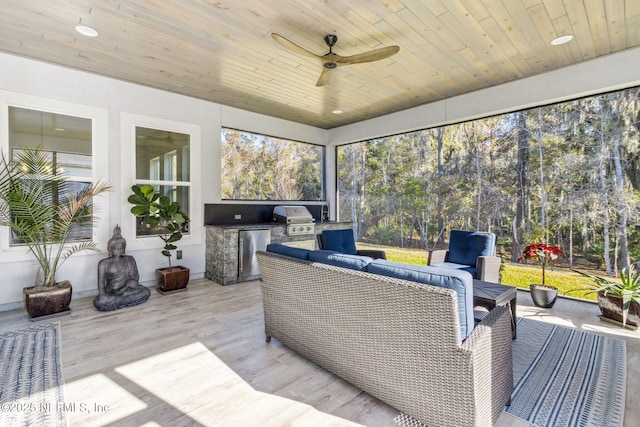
{"points": [[68, 140], [567, 173], [162, 160], [259, 167]]}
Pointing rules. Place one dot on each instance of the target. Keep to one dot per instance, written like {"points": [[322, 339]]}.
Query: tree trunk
{"points": [[571, 235], [604, 194], [543, 194], [479, 182], [362, 203], [621, 204], [440, 185], [354, 192], [522, 166]]}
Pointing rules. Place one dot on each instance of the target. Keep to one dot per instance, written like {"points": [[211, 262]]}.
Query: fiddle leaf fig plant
{"points": [[159, 213]]}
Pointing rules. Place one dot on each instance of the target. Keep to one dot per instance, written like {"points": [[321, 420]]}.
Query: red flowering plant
{"points": [[541, 253]]}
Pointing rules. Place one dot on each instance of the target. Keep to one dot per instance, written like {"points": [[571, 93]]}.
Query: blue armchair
{"points": [[471, 251], [344, 242]]}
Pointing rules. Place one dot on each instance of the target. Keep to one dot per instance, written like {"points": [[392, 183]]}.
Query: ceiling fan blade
{"points": [[292, 46], [374, 55], [324, 77]]}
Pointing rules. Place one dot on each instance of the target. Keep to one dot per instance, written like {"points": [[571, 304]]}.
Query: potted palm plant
{"points": [[542, 294], [43, 214], [161, 215], [618, 302]]}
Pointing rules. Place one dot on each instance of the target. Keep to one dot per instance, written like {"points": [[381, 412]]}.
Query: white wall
{"points": [[24, 76]]}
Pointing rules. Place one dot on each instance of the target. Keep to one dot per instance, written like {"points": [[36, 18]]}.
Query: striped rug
{"points": [[566, 377], [563, 378], [31, 380]]}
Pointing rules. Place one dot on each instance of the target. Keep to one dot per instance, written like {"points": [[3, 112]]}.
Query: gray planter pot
{"points": [[543, 296]]}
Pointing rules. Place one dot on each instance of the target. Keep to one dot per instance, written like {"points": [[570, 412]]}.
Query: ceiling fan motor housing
{"points": [[330, 40]]}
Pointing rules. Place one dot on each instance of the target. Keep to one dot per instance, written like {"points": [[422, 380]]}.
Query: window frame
{"points": [[99, 161], [129, 123]]}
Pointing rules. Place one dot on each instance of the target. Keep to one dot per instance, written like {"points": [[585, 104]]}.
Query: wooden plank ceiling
{"points": [[223, 51]]}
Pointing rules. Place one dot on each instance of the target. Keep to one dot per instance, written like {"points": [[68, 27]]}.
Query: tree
{"points": [[522, 183], [561, 174]]}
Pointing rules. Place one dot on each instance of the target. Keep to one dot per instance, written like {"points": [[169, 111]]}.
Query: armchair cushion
{"points": [[353, 262], [466, 246], [461, 267], [339, 240]]}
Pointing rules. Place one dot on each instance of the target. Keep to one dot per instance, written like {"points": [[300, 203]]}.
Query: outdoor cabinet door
{"points": [[249, 242]]}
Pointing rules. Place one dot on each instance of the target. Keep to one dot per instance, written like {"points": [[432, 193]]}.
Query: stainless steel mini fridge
{"points": [[249, 242]]}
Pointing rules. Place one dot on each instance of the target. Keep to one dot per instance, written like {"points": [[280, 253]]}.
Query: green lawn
{"points": [[409, 256], [513, 274], [563, 279]]}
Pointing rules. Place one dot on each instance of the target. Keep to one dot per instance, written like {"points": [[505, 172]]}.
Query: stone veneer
{"points": [[222, 246]]}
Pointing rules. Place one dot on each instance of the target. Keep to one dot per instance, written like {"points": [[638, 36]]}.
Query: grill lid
{"points": [[292, 214]]}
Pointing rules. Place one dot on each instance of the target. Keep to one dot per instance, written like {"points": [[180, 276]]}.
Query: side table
{"points": [[490, 295]]}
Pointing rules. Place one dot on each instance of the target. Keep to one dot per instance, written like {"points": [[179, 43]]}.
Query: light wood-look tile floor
{"points": [[200, 358]]}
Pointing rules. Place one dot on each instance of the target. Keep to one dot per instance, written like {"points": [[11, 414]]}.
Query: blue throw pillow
{"points": [[353, 262], [279, 248], [458, 280]]}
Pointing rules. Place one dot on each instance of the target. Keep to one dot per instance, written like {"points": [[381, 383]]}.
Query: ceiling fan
{"points": [[332, 60]]}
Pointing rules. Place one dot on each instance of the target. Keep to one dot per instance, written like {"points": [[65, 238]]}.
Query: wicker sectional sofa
{"points": [[399, 340]]}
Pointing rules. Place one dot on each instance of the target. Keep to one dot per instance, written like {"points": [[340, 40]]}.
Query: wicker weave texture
{"points": [[397, 340]]}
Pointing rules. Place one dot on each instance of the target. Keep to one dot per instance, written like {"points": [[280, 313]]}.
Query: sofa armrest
{"points": [[490, 343], [372, 253], [488, 268], [437, 257], [497, 322]]}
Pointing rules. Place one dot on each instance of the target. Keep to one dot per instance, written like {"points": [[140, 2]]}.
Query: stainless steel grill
{"points": [[298, 219]]}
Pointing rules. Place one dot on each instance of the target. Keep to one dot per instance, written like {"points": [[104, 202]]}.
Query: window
{"points": [[158, 152], [76, 168], [154, 169], [75, 136], [566, 173], [259, 167], [170, 176], [67, 139]]}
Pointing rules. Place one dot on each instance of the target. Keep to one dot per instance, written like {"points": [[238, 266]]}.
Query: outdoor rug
{"points": [[31, 380], [564, 377]]}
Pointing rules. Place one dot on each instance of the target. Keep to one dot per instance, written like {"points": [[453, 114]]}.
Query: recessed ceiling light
{"points": [[86, 31], [337, 111], [59, 129], [562, 40]]}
